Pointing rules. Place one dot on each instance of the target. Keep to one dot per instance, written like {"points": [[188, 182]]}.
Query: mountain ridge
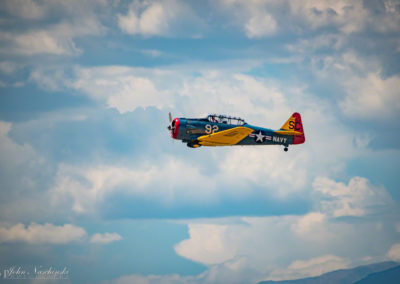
{"points": [[350, 275]]}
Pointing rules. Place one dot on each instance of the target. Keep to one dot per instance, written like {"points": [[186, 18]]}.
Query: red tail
{"points": [[298, 126]]}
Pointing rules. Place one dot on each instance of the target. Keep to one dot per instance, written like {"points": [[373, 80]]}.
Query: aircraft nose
{"points": [[175, 128]]}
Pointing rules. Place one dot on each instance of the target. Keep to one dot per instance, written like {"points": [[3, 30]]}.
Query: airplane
{"points": [[222, 130]]}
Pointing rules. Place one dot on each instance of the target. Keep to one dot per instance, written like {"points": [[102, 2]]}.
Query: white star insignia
{"points": [[259, 137]]}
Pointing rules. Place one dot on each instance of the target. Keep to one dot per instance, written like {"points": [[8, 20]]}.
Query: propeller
{"points": [[171, 125]]}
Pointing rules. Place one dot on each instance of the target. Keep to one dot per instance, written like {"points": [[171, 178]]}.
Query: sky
{"points": [[91, 180]]}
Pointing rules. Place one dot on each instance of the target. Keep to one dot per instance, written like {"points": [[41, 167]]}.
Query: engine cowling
{"points": [[175, 128]]}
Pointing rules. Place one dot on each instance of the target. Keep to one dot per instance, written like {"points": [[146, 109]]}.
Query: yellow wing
{"points": [[226, 137]]}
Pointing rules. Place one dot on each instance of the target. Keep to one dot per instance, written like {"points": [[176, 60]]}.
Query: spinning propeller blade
{"points": [[170, 126]]}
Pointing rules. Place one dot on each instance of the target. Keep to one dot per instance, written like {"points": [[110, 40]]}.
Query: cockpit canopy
{"points": [[225, 119]]}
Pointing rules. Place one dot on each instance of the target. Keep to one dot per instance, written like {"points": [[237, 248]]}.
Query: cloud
{"points": [[127, 88], [259, 25], [237, 173], [84, 188], [27, 9], [158, 18], [38, 234], [8, 67], [151, 52], [265, 18], [39, 42], [394, 252], [24, 176], [281, 253], [105, 238], [211, 238], [89, 186], [52, 234], [14, 153], [139, 92], [246, 172], [244, 166], [232, 237], [358, 198], [258, 100], [75, 20], [153, 20], [123, 88], [294, 246], [366, 93], [308, 223], [361, 91], [372, 97], [253, 16], [50, 80], [346, 16], [251, 249], [387, 16], [361, 80]]}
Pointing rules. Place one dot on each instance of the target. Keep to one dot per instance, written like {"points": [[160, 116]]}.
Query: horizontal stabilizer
{"points": [[226, 137], [288, 132]]}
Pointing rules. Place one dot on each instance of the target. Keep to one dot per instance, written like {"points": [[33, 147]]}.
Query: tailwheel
{"points": [[285, 149]]}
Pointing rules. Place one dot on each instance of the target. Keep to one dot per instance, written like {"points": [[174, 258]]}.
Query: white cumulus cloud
{"points": [[12, 152], [372, 97], [76, 19], [358, 198], [289, 247], [253, 17], [308, 223], [394, 252], [260, 101], [28, 9], [260, 24], [37, 234], [88, 186], [207, 244], [162, 18], [348, 16]]}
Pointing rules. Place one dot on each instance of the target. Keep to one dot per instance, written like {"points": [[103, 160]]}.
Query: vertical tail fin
{"points": [[294, 124]]}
